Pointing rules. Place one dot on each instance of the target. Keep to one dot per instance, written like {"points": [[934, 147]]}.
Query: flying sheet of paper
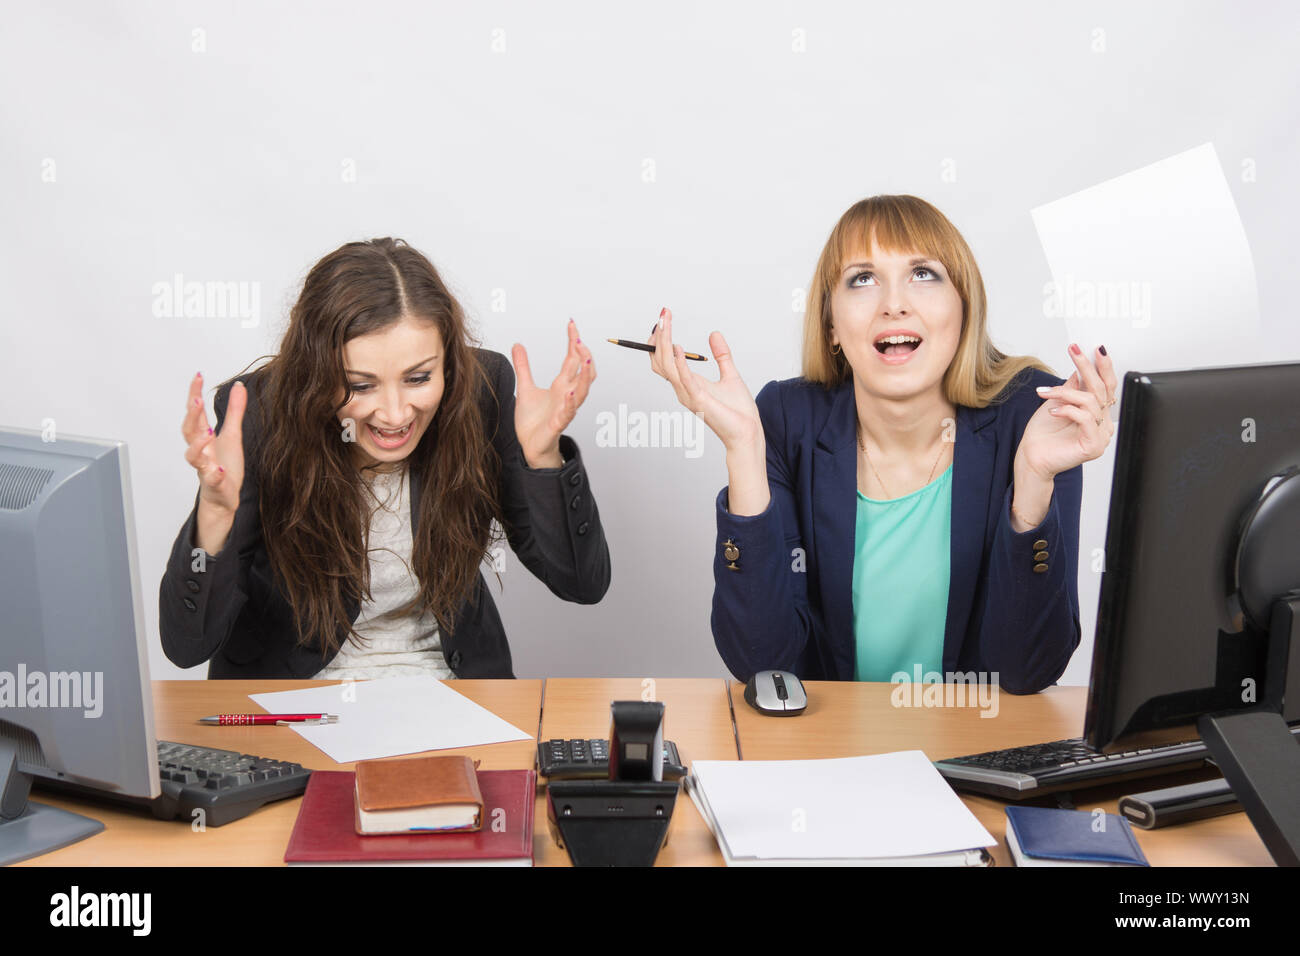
{"points": [[883, 805], [1155, 265], [388, 717]]}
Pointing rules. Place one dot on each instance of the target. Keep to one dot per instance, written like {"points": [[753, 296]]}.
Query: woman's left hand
{"points": [[541, 414], [1073, 425]]}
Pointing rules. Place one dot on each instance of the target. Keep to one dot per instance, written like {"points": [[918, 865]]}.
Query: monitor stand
{"points": [[1256, 751], [30, 829], [1260, 760]]}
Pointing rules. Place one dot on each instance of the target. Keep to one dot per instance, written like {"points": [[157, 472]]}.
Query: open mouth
{"points": [[897, 344], [390, 438]]}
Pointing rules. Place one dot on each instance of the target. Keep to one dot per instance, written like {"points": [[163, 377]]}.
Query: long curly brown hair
{"points": [[314, 508]]}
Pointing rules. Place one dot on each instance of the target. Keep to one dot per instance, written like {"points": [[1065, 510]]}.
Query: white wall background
{"points": [[510, 142]]}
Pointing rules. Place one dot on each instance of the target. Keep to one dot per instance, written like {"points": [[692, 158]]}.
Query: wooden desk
{"points": [[846, 719], [133, 838], [843, 719], [696, 718]]}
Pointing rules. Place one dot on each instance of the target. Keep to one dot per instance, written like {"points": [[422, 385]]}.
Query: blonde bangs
{"points": [[900, 224]]}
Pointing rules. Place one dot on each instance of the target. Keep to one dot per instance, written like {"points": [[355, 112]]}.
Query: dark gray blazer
{"points": [[233, 614]]}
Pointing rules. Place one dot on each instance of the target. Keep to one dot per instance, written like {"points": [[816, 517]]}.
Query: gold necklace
{"points": [[888, 496]]}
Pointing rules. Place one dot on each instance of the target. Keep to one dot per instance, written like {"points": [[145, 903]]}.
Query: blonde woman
{"points": [[910, 504]]}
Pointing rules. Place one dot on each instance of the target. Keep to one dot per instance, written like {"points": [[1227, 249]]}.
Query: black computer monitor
{"points": [[75, 697], [1200, 593]]}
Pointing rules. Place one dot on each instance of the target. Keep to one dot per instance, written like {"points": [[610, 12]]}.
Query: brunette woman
{"points": [[348, 492]]}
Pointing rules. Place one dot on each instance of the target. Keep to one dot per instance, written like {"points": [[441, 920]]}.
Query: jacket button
{"points": [[1040, 544], [190, 605], [454, 661], [575, 479], [731, 553], [1039, 568], [1040, 556], [577, 500], [582, 528], [192, 585]]}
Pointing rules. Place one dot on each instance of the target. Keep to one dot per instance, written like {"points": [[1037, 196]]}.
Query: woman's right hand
{"points": [[219, 461], [725, 405]]}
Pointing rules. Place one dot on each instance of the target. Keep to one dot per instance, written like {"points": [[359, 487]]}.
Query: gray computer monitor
{"points": [[75, 697]]}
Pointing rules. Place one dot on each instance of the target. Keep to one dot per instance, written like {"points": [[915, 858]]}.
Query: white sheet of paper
{"points": [[883, 805], [389, 717], [1154, 264]]}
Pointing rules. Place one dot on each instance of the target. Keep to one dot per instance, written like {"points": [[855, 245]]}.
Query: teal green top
{"points": [[902, 556]]}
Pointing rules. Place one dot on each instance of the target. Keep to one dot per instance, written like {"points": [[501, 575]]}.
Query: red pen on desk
{"points": [[237, 719]]}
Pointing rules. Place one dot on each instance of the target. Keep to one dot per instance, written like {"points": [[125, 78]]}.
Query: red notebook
{"points": [[326, 828]]}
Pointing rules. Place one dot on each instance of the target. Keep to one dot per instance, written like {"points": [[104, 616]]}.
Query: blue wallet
{"points": [[1045, 835]]}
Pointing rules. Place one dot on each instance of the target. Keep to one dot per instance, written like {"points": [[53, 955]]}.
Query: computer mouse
{"points": [[776, 693]]}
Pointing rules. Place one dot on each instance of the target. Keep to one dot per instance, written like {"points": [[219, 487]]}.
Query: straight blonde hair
{"points": [[979, 374]]}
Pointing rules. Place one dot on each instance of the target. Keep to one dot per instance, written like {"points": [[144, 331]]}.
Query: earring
{"points": [[835, 350]]}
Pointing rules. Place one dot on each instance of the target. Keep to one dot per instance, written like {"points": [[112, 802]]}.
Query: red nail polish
{"points": [[588, 361], [197, 402], [1101, 349], [1076, 350], [220, 469], [663, 311], [209, 430]]}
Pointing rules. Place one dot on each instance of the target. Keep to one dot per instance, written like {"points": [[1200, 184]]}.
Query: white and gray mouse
{"points": [[776, 693]]}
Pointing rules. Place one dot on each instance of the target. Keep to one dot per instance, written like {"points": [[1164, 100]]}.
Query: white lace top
{"points": [[393, 646]]}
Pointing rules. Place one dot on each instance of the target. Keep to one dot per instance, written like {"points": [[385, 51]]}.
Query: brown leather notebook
{"points": [[418, 793]]}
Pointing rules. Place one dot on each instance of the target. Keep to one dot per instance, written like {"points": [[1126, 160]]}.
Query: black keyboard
{"points": [[1023, 772], [224, 784]]}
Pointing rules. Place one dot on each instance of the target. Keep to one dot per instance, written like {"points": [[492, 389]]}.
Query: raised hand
{"points": [[541, 414], [1073, 425], [218, 459], [726, 405]]}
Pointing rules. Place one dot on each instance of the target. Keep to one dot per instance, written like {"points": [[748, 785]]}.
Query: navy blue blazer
{"points": [[789, 603]]}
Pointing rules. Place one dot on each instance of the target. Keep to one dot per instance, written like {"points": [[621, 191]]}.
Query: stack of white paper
{"points": [[893, 809]]}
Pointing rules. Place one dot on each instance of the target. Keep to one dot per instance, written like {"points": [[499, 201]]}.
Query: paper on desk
{"points": [[884, 805], [388, 717], [1155, 265]]}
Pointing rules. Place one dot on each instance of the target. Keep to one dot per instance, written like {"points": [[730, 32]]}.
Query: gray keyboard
{"points": [[224, 785]]}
